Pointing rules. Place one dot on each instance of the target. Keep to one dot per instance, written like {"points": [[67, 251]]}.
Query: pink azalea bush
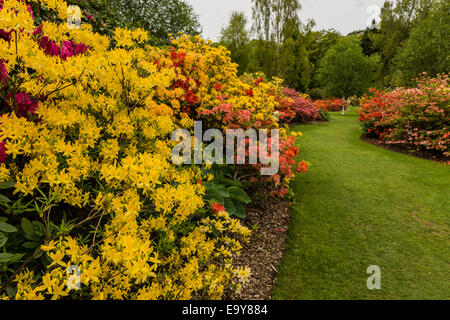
{"points": [[304, 109]]}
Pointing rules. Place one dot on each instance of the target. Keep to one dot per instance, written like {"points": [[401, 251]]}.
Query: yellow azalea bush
{"points": [[85, 140]]}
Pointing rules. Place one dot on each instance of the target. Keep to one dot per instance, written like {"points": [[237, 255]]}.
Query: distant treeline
{"points": [[413, 36]]}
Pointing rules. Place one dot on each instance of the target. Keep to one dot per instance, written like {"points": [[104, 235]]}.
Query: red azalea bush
{"points": [[286, 111], [330, 104], [416, 118], [304, 109]]}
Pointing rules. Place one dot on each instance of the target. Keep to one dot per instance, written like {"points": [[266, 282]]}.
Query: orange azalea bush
{"points": [[330, 104], [416, 118], [87, 185]]}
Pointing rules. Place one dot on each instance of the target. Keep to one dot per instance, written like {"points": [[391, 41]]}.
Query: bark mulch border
{"points": [[269, 221]]}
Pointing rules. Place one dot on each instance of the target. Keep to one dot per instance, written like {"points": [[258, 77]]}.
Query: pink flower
{"points": [[5, 35], [81, 48], [37, 31], [4, 76], [66, 50], [2, 152], [244, 115], [26, 106]]}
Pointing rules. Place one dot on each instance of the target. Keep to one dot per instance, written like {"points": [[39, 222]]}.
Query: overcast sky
{"points": [[342, 15]]}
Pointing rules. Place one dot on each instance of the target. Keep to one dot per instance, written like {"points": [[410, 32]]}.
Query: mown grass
{"points": [[362, 205]]}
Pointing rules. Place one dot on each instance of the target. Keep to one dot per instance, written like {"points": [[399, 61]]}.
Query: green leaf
{"points": [[228, 171], [32, 237], [27, 226], [229, 207], [222, 191], [239, 194], [11, 292], [3, 239], [7, 185], [10, 257], [31, 245], [5, 227], [4, 199], [39, 227], [218, 192], [240, 210], [232, 182], [5, 257]]}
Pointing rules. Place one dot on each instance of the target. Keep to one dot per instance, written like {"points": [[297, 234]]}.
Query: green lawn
{"points": [[361, 205]]}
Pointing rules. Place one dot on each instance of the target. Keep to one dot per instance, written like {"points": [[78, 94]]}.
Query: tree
{"points": [[295, 67], [236, 38], [397, 20], [317, 44], [262, 57], [367, 42], [103, 14], [158, 17], [427, 49], [345, 70], [270, 20]]}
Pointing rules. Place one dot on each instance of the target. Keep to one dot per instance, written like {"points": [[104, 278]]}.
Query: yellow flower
{"points": [[50, 246]]}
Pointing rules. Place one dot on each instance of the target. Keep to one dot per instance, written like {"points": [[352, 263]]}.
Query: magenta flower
{"points": [[4, 76], [66, 50], [2, 152], [26, 105], [81, 48]]}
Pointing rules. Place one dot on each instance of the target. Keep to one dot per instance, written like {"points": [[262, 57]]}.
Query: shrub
{"points": [[305, 110], [416, 118], [316, 94], [345, 71], [330, 104]]}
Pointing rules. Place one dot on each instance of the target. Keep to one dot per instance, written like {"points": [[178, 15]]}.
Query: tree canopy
{"points": [[345, 70], [158, 17], [236, 38], [428, 47]]}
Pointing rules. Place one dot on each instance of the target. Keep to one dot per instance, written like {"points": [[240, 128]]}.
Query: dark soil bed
{"points": [[405, 150], [269, 221]]}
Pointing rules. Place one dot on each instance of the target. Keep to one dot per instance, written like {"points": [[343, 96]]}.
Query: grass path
{"points": [[361, 205]]}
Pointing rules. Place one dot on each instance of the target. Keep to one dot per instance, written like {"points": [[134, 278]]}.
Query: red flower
{"points": [[218, 87], [217, 207], [302, 167], [283, 193], [177, 58], [258, 81]]}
